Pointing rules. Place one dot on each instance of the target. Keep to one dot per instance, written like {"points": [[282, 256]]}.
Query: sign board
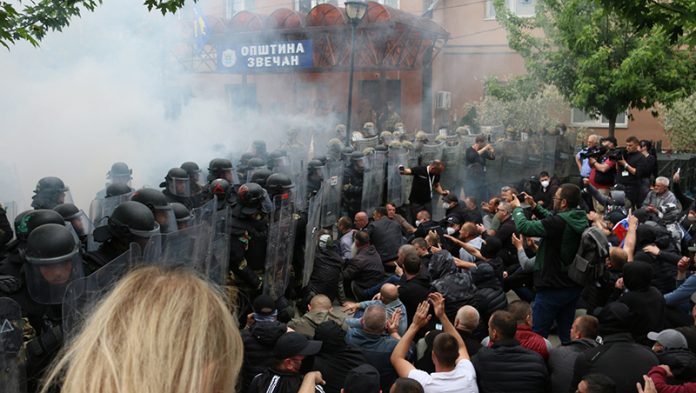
{"points": [[275, 56]]}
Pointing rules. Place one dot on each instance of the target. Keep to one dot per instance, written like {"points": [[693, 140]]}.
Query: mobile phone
{"points": [[438, 326]]}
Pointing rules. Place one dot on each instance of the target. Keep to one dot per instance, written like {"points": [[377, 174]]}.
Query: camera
{"points": [[401, 169]]}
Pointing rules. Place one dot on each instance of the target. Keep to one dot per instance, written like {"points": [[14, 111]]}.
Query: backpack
{"points": [[588, 264]]}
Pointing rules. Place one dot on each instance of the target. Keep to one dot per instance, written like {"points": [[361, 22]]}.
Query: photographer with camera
{"points": [[602, 173], [630, 167]]}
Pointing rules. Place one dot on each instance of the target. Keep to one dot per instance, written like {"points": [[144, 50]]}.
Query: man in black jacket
{"points": [[326, 272], [414, 287], [562, 359], [365, 270], [259, 338], [426, 182], [336, 358], [284, 374], [506, 366], [630, 168], [385, 235], [619, 358]]}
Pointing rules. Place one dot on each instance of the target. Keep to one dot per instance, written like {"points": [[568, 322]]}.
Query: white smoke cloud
{"points": [[96, 93]]}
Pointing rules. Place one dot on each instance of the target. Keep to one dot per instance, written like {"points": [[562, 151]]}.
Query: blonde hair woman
{"points": [[159, 331]]}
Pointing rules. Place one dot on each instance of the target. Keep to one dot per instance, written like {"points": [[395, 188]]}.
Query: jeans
{"points": [[555, 305], [372, 291]]}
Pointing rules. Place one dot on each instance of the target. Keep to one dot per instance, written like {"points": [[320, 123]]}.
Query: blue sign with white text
{"points": [[276, 56]]}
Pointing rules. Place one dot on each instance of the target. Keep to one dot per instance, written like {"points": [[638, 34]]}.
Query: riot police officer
{"points": [[183, 216], [315, 176], [159, 206], [177, 187], [119, 173], [130, 222], [260, 175], [221, 168], [49, 192], [353, 184], [194, 173], [77, 219]]}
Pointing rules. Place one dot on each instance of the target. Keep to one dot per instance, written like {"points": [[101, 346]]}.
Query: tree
{"points": [[676, 17], [680, 124], [32, 22], [599, 61]]}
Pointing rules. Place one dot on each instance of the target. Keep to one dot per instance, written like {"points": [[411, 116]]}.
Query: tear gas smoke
{"points": [[98, 93]]}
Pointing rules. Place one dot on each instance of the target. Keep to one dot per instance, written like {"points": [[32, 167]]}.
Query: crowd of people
{"points": [[557, 287]]}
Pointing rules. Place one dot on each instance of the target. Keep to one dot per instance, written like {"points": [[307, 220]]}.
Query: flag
{"points": [[621, 229], [200, 27]]}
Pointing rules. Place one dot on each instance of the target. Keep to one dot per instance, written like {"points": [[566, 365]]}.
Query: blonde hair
{"points": [[159, 331]]}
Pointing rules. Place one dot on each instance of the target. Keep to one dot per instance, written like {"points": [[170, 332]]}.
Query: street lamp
{"points": [[355, 10]]}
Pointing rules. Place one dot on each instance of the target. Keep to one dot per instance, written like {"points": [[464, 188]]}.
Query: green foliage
{"points": [[680, 124], [522, 109], [31, 22], [518, 87], [599, 61], [676, 17]]}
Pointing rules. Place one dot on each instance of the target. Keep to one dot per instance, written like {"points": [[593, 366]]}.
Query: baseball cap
{"points": [[669, 338], [292, 344], [362, 379], [264, 305], [453, 220]]}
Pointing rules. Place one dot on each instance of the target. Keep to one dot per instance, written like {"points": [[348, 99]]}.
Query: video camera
{"points": [[601, 151]]}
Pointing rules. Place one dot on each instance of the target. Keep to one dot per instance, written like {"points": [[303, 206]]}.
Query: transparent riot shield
{"points": [[217, 260], [431, 152], [221, 221], [187, 247], [451, 179], [204, 213], [331, 201], [82, 295], [313, 227], [396, 157], [407, 181], [12, 366], [101, 208], [373, 182], [279, 250]]}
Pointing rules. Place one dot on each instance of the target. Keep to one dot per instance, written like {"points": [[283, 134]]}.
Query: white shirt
{"points": [[460, 380]]}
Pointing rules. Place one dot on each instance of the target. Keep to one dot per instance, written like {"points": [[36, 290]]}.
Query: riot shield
{"points": [[101, 208], [187, 247], [82, 295], [279, 250], [431, 152], [221, 221], [217, 260], [395, 158], [12, 367], [453, 175], [313, 227], [373, 182], [407, 181], [204, 213], [331, 201]]}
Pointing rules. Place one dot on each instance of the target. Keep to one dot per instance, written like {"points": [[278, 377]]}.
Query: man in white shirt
{"points": [[454, 372]]}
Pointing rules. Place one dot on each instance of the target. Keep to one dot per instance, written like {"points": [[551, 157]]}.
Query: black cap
{"points": [[362, 379], [264, 305], [292, 344], [453, 220]]}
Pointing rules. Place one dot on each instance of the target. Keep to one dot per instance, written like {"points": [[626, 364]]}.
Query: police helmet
{"points": [[278, 183], [34, 219], [260, 175], [116, 189]]}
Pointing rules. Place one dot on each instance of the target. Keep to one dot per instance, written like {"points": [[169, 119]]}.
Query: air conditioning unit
{"points": [[443, 100]]}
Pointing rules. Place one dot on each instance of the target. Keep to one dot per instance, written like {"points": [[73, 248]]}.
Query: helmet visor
{"points": [[164, 215], [180, 187], [47, 278], [80, 223]]}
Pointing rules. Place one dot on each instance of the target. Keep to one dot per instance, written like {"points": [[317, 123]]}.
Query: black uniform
{"points": [[351, 198]]}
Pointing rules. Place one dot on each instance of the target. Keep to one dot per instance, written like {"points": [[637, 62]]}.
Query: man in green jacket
{"points": [[560, 233]]}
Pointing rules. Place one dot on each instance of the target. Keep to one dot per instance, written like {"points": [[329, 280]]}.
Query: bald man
{"points": [[320, 310], [466, 322], [361, 220], [389, 299]]}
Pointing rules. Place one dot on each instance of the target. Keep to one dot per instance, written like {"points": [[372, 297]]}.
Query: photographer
{"points": [[629, 169], [602, 173]]}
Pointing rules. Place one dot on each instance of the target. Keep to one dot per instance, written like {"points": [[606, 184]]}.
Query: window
{"points": [[390, 3], [522, 8], [581, 119], [234, 6], [307, 5]]}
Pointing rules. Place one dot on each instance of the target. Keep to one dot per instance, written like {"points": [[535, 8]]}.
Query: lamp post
{"points": [[355, 10]]}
